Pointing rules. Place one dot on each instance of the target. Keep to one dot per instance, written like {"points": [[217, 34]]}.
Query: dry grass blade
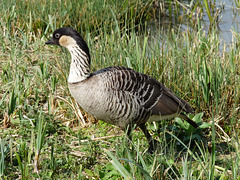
{"points": [[74, 105], [95, 139]]}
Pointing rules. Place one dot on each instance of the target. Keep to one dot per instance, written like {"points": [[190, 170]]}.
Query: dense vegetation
{"points": [[44, 135]]}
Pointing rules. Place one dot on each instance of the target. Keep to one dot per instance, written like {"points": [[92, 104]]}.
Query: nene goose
{"points": [[118, 95]]}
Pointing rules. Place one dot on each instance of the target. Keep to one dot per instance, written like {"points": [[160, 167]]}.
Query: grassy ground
{"points": [[42, 133]]}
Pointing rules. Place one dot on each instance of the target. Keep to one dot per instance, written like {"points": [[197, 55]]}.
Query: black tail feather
{"points": [[190, 121]]}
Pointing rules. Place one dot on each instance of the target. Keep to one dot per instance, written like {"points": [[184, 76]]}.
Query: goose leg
{"points": [[128, 131], [153, 144]]}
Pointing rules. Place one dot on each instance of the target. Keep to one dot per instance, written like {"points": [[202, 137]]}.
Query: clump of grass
{"points": [[4, 151], [39, 143], [85, 15]]}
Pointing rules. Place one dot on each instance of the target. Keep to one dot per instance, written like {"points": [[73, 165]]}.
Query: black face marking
{"points": [[68, 31]]}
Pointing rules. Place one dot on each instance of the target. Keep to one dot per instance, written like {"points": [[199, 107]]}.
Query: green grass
{"points": [[44, 135]]}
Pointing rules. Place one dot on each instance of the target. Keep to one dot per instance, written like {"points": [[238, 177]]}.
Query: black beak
{"points": [[50, 41]]}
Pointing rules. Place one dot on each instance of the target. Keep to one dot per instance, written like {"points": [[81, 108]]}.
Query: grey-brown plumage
{"points": [[118, 95]]}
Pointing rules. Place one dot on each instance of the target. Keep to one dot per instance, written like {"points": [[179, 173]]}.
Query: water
{"points": [[229, 20]]}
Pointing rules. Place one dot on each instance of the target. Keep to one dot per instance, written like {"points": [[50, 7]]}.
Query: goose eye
{"points": [[57, 35]]}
